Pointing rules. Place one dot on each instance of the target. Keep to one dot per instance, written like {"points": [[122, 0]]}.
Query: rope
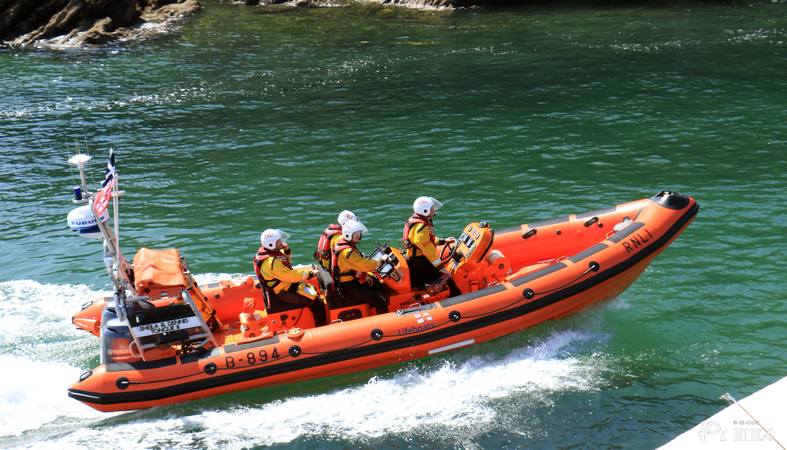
{"points": [[732, 399]]}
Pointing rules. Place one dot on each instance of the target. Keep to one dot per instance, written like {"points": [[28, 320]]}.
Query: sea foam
{"points": [[459, 399], [459, 395]]}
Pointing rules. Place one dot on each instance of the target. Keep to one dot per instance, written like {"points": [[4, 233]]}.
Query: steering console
{"points": [[472, 246], [388, 262]]}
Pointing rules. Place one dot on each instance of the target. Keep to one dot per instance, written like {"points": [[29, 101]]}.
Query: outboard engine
{"points": [[115, 338]]}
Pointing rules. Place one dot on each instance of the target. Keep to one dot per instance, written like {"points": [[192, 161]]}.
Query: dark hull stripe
{"points": [[460, 327], [537, 274], [472, 295], [587, 252], [235, 347], [623, 234]]}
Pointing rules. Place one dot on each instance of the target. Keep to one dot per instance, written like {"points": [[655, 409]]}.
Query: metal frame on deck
{"points": [[119, 269], [209, 334]]}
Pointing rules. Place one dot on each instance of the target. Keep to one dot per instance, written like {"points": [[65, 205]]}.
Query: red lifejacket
{"points": [[342, 245], [323, 251], [414, 220], [262, 255]]}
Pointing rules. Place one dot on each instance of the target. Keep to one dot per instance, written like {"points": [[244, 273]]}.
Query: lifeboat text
{"points": [[251, 358], [637, 240], [166, 327], [416, 329]]}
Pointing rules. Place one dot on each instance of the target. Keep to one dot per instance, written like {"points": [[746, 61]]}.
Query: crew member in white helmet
{"points": [[329, 237], [351, 268], [420, 245], [279, 281]]}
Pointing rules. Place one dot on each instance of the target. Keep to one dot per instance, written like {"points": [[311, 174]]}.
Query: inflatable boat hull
{"points": [[563, 266]]}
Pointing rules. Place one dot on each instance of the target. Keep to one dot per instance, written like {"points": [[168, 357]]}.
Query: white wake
{"points": [[459, 395]]}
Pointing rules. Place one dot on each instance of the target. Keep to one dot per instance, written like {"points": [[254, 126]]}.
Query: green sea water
{"points": [[241, 120]]}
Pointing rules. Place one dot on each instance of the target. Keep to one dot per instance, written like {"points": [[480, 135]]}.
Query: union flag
{"points": [[104, 195]]}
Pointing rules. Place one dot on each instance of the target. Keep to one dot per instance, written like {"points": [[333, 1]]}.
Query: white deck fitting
{"points": [[79, 159], [759, 421]]}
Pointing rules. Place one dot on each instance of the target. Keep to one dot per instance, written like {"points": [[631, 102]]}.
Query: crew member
{"points": [[353, 285], [283, 287], [420, 245], [329, 237]]}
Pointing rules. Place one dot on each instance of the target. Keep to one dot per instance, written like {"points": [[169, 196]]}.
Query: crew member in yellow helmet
{"points": [[420, 244], [351, 268], [283, 286]]}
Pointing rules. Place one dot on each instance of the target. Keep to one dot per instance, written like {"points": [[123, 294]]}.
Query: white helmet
{"points": [[271, 236], [351, 227], [424, 205], [346, 215]]}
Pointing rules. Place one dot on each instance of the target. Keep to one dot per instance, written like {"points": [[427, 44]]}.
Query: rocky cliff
{"points": [[283, 5], [78, 22], [73, 23]]}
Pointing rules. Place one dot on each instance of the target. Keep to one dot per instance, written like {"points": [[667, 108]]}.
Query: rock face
{"points": [[287, 5], [420, 4], [77, 22]]}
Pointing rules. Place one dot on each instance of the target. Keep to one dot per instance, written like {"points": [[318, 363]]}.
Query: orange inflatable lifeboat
{"points": [[177, 341]]}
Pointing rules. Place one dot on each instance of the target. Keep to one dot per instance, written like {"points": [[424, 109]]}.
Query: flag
{"points": [[104, 195], [109, 176]]}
